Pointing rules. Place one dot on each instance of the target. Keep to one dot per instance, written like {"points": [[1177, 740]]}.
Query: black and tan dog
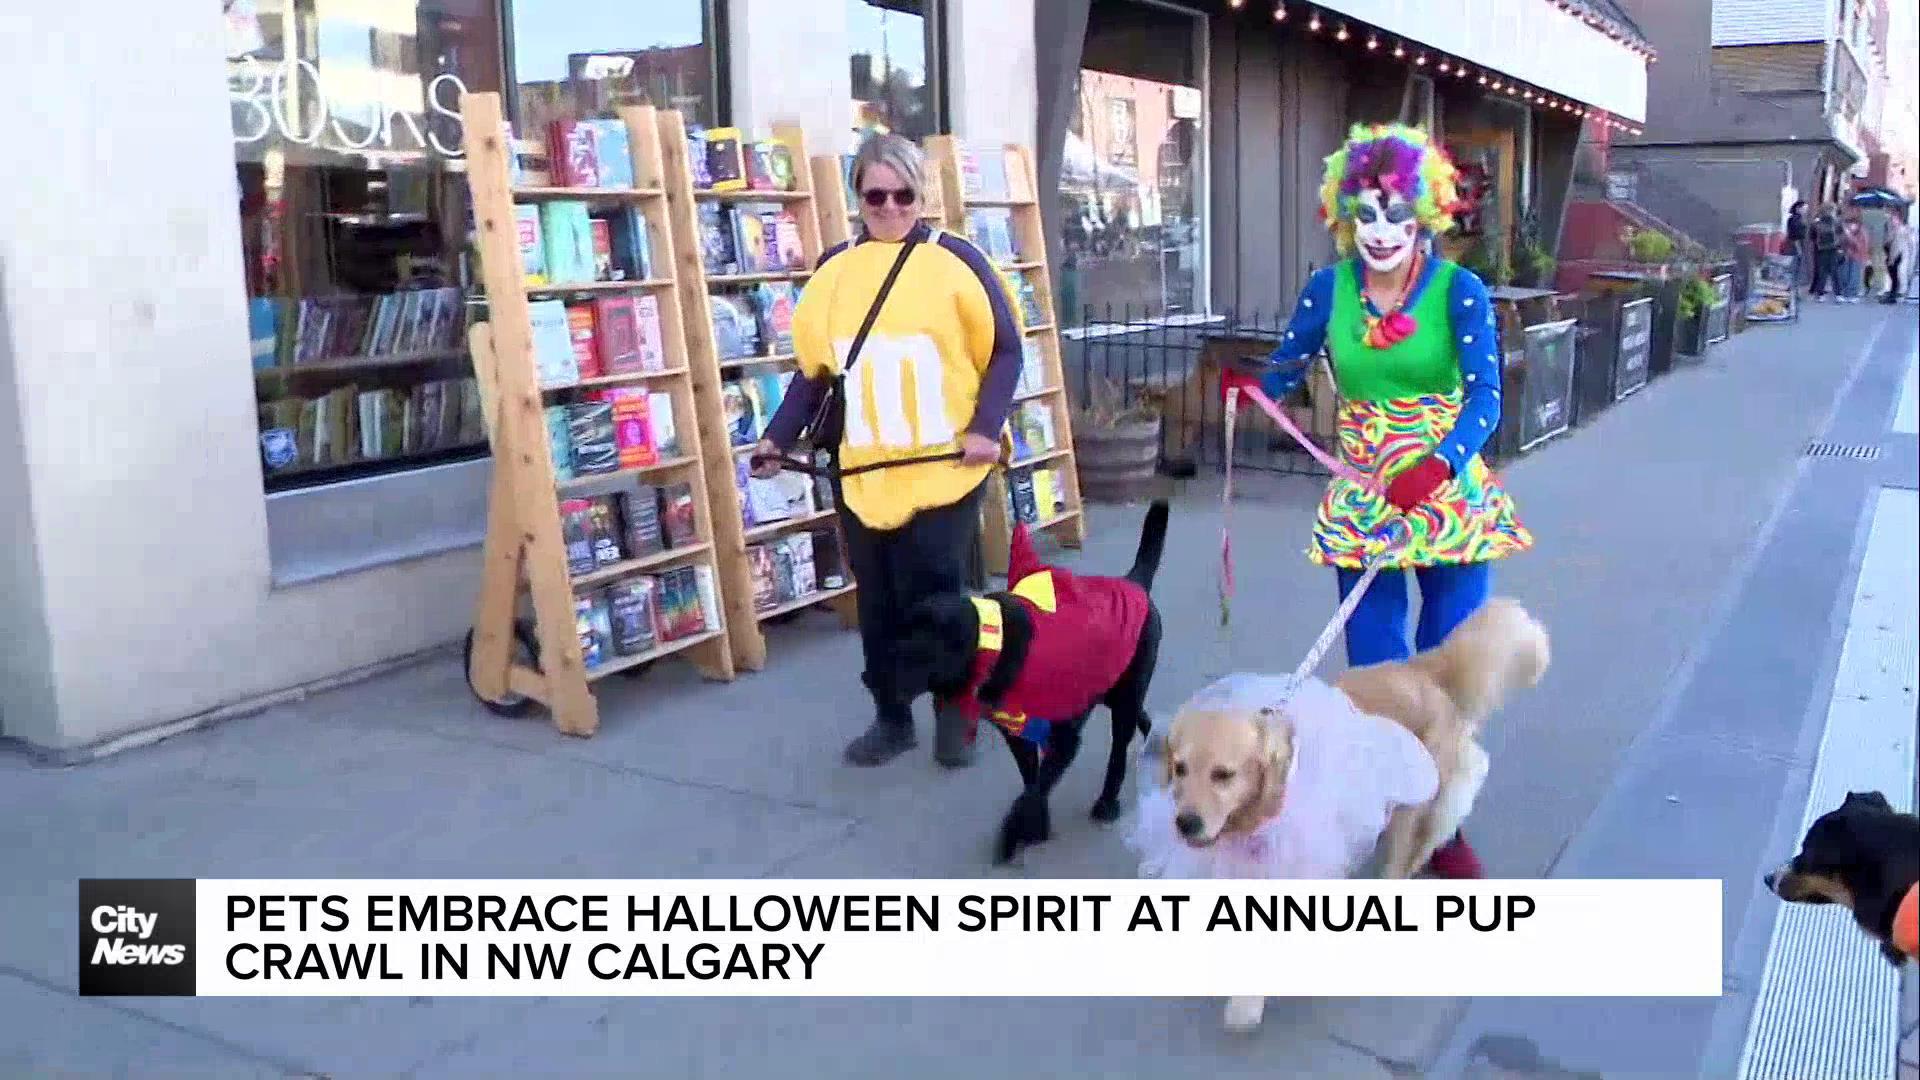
{"points": [[1865, 856], [1035, 659]]}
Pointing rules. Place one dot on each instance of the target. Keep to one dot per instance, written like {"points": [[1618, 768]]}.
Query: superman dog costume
{"points": [[1035, 659]]}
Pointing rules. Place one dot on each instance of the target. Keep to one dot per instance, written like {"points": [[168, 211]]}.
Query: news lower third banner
{"points": [[907, 938]]}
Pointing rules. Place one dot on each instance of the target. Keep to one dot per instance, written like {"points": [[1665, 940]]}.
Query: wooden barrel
{"points": [[1116, 464]]}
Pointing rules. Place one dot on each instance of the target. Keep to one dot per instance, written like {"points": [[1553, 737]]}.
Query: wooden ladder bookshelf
{"points": [[953, 162], [724, 461], [524, 530]]}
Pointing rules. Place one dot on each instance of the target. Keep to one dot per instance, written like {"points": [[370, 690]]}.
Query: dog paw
{"points": [[1026, 823], [1106, 811], [1244, 1013]]}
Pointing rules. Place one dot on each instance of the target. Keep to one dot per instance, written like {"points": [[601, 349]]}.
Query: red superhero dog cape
{"points": [[1085, 630], [1906, 924]]}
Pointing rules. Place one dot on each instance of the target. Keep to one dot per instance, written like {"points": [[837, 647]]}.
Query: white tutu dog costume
{"points": [[1350, 771]]}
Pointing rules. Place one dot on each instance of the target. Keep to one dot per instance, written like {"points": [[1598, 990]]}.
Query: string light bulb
{"points": [[1400, 52], [1422, 61], [1373, 42], [1483, 80], [1236, 4], [1342, 34], [1279, 13], [1314, 23], [1445, 66]]}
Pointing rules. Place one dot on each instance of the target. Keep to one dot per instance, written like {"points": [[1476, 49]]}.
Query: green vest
{"points": [[1424, 363]]}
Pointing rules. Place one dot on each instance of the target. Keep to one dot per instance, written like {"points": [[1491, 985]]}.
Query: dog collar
{"points": [[1906, 923]]}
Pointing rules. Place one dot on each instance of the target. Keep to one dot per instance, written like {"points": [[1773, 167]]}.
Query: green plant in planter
{"points": [[1538, 263], [1696, 296], [1647, 245]]}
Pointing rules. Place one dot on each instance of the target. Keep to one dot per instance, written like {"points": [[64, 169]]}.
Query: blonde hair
{"points": [[896, 152]]}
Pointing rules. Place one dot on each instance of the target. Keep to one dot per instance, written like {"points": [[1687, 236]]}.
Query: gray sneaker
{"points": [[953, 743]]}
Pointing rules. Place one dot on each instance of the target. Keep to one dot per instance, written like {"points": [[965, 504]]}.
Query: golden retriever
{"points": [[1226, 769]]}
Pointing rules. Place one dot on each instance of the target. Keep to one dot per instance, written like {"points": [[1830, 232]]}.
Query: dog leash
{"points": [[1378, 544], [792, 464]]}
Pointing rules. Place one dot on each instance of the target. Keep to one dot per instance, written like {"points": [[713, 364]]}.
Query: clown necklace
{"points": [[1395, 326]]}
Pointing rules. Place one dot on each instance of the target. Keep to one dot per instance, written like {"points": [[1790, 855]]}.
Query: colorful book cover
{"points": [[567, 230], [553, 354], [790, 252], [717, 252], [652, 341], [559, 442], [603, 530], [760, 571], [629, 604], [594, 626], [751, 242], [726, 171], [613, 152], [602, 234], [576, 535], [709, 592], [737, 405], [572, 145], [759, 161], [736, 331], [697, 157], [632, 247], [773, 303], [666, 434], [617, 325], [828, 569], [769, 389], [780, 166], [676, 515], [590, 436], [801, 544], [632, 434], [586, 342], [640, 521], [767, 498], [742, 478]]}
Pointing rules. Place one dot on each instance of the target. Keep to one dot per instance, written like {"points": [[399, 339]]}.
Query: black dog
{"points": [[1035, 660], [1865, 856]]}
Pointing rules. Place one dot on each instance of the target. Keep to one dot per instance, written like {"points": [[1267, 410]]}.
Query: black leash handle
{"points": [[799, 465]]}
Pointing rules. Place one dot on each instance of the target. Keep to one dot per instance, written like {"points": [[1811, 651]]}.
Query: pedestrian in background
{"points": [[1825, 238], [1797, 243], [1854, 253], [1899, 257], [913, 335]]}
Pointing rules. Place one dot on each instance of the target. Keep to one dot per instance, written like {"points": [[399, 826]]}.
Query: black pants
{"points": [[1894, 266], [1826, 272], [937, 550]]}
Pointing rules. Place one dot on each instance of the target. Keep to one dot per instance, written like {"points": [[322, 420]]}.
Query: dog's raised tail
{"points": [[1153, 543], [1497, 650]]}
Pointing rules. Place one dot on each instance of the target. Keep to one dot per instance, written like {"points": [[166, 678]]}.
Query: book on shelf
{"points": [[697, 168], [586, 342], [726, 167], [566, 233], [769, 166], [574, 151], [347, 425], [708, 589], [552, 339], [630, 245], [678, 522], [613, 152], [593, 622], [632, 426], [1031, 313], [983, 173], [640, 521], [379, 326], [773, 303], [599, 531], [991, 230], [1033, 429], [1036, 493], [591, 443], [736, 329], [533, 243], [719, 253], [1033, 367], [630, 605], [559, 441]]}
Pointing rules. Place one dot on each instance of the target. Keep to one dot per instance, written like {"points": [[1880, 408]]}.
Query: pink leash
{"points": [[1375, 561]]}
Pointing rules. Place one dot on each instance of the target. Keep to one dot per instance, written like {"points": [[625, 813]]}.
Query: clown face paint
{"points": [[1385, 228]]}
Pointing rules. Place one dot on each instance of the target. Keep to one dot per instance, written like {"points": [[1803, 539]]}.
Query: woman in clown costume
{"points": [[1411, 337]]}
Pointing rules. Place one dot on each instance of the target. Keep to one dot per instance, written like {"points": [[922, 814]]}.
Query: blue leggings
{"points": [[1378, 630]]}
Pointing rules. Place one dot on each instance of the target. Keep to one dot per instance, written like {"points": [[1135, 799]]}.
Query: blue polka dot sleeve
{"points": [[1471, 317], [1306, 332]]}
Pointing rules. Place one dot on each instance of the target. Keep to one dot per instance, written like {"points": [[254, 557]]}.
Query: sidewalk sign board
{"points": [[1771, 296], [1720, 313], [1548, 395], [1630, 371]]}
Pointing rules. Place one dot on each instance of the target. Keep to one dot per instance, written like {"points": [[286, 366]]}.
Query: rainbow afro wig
{"points": [[1398, 160]]}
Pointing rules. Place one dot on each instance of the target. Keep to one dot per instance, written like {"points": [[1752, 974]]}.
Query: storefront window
{"points": [[581, 59], [895, 62], [355, 224], [1132, 197]]}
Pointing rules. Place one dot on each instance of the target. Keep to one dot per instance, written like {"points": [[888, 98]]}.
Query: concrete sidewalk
{"points": [[1643, 520]]}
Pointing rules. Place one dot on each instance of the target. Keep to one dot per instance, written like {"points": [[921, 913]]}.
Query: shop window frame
{"points": [[715, 35], [1206, 311]]}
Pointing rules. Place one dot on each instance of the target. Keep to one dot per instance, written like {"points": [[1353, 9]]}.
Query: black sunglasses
{"points": [[877, 197]]}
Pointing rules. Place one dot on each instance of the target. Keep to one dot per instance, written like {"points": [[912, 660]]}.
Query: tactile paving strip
{"points": [[1828, 1003]]}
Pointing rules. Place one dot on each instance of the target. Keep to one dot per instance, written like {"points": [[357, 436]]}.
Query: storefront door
{"points": [[1485, 157]]}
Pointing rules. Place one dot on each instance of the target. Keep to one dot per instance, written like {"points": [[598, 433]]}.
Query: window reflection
{"points": [[892, 86], [579, 59]]}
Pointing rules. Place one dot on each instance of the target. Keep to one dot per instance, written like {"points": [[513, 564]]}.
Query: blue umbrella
{"points": [[1877, 196]]}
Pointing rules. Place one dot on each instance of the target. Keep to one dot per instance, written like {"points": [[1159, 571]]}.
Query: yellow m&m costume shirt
{"points": [[942, 360]]}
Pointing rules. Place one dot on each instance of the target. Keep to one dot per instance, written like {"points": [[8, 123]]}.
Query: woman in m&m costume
{"points": [[1411, 337]]}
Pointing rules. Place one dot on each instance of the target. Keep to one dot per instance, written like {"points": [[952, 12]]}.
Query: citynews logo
{"points": [[136, 937]]}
